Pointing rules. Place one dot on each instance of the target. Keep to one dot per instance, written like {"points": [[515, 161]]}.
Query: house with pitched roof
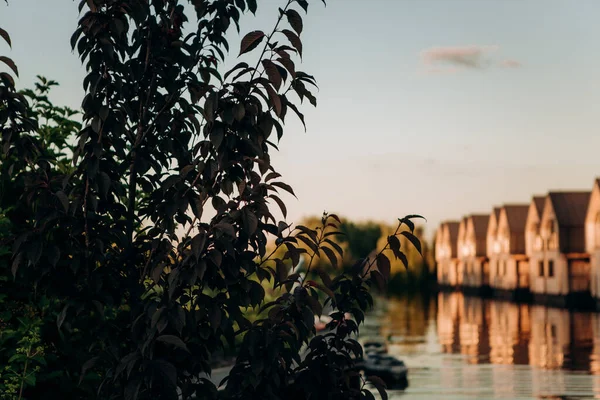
{"points": [[592, 238], [510, 270], [491, 232], [532, 225], [446, 253], [460, 241], [490, 241], [559, 265], [473, 250]]}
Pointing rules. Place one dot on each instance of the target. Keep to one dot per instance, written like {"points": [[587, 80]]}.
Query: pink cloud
{"points": [[474, 57], [510, 64]]}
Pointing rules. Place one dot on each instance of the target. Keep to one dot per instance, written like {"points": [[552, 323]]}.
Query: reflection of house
{"points": [[509, 269], [595, 356], [472, 250], [582, 341], [559, 265], [473, 337], [550, 337], [446, 254], [509, 340], [592, 238], [509, 333], [447, 321]]}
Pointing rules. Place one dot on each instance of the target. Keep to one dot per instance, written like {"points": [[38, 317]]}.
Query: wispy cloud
{"points": [[510, 64], [452, 59]]}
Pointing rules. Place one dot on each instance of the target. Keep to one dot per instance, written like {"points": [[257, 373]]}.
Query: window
{"points": [[541, 268], [550, 268]]}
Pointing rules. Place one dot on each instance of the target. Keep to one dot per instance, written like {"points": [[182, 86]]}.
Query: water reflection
{"points": [[459, 347]]}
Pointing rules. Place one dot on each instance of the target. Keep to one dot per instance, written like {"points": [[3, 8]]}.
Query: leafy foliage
{"points": [[142, 248]]}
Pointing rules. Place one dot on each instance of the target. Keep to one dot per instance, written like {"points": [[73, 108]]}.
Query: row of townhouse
{"points": [[549, 249]]}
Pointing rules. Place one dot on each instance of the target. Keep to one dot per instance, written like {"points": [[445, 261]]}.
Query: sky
{"points": [[435, 107]]}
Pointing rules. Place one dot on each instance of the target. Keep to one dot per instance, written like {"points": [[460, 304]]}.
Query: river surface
{"points": [[459, 347]]}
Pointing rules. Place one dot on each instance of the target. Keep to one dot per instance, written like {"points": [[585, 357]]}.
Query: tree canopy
{"points": [[134, 243]]}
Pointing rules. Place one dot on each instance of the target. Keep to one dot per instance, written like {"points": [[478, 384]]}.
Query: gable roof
{"points": [[497, 212], [453, 231], [480, 225], [570, 208], [538, 201], [516, 216], [452, 227]]}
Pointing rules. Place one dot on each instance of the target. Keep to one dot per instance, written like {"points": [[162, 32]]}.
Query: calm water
{"points": [[459, 347]]}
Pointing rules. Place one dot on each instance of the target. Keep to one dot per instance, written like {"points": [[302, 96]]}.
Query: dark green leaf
{"points": [[281, 205], [272, 73], [298, 113], [310, 232], [303, 4], [64, 200], [10, 64], [294, 40], [226, 228], [173, 340], [415, 216], [378, 278], [242, 65], [167, 369], [197, 207], [285, 187], [324, 277], [282, 270], [413, 239], [251, 40], [311, 245], [394, 244], [324, 289], [15, 264], [335, 246], [87, 366], [169, 182], [239, 112], [295, 20], [379, 385], [288, 64], [408, 223], [252, 5], [403, 258], [383, 265], [250, 221], [5, 36], [272, 175], [274, 99], [216, 135], [331, 255], [53, 255], [103, 184], [61, 317], [198, 243]]}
